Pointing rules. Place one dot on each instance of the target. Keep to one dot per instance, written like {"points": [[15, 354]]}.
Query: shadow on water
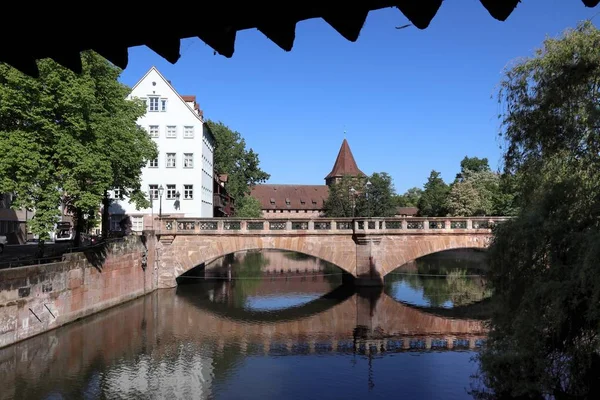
{"points": [[201, 296]]}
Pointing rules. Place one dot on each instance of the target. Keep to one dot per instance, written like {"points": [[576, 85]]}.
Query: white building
{"points": [[184, 167]]}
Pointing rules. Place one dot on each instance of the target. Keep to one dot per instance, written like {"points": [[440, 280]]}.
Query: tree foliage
{"points": [[240, 164], [544, 337], [410, 198], [376, 200], [69, 137], [248, 207], [434, 198]]}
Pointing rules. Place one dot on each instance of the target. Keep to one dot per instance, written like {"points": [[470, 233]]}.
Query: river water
{"points": [[269, 325]]}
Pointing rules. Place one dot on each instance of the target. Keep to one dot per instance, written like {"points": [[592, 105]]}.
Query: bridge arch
{"points": [[397, 251], [188, 251]]}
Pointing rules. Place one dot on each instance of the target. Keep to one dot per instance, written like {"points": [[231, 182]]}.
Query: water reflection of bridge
{"points": [[166, 327], [343, 321]]}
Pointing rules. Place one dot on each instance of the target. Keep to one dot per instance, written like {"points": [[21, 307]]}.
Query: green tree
{"points": [[472, 164], [248, 207], [240, 164], [379, 197], [69, 137], [376, 200], [434, 198], [544, 336], [410, 198], [476, 193]]}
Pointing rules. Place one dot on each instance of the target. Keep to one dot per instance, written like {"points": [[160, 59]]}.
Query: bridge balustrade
{"points": [[406, 225]]}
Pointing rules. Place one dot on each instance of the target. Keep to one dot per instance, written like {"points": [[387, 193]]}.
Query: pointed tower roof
{"points": [[344, 163]]}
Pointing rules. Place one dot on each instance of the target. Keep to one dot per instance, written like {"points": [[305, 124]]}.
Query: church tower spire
{"points": [[344, 165]]}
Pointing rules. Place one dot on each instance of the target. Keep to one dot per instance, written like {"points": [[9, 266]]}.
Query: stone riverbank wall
{"points": [[35, 299]]}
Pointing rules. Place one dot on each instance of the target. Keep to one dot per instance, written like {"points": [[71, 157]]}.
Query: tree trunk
{"points": [[79, 226], [40, 249], [105, 215]]}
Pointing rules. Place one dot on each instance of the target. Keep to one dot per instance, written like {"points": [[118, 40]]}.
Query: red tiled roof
{"points": [[344, 163], [299, 197], [410, 211], [189, 98]]}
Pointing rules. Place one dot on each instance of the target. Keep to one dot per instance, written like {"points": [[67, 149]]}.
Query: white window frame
{"points": [[116, 193], [137, 223], [171, 157], [153, 189], [188, 160], [154, 131], [171, 131], [171, 191], [188, 192], [163, 105], [153, 163], [188, 132], [153, 103]]}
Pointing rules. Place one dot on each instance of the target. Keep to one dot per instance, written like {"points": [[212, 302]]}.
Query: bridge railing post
{"points": [[448, 224], [311, 225], [288, 225], [426, 224], [243, 225], [220, 227], [404, 224], [333, 225], [469, 223]]}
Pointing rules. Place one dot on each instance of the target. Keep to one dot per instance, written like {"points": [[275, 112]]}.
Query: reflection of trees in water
{"points": [[445, 279], [248, 272]]}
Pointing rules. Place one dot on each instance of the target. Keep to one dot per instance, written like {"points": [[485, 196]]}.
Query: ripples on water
{"points": [[257, 332]]}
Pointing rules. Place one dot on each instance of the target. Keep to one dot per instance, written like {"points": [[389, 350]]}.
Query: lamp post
{"points": [[353, 200], [161, 190], [151, 193], [368, 186]]}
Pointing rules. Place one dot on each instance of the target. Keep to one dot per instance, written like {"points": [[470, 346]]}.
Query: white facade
{"points": [[184, 167]]}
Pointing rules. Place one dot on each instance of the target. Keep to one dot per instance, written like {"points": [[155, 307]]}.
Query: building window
{"points": [[188, 132], [154, 163], [163, 105], [153, 103], [188, 160], [137, 223], [188, 192], [171, 131], [171, 162], [154, 131], [117, 193], [153, 192], [115, 221], [171, 192]]}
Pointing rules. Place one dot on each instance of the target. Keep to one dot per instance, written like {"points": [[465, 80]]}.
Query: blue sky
{"points": [[410, 100]]}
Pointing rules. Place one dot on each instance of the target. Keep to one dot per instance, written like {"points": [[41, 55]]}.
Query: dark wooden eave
{"points": [[61, 32]]}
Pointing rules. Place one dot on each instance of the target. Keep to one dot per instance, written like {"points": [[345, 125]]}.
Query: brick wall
{"points": [[39, 298]]}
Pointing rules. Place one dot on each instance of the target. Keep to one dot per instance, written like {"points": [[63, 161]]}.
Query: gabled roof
{"points": [[344, 163], [168, 82], [290, 197], [61, 32]]}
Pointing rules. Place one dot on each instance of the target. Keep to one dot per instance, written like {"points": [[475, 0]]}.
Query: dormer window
{"points": [[272, 201], [314, 202], [287, 201], [302, 201]]}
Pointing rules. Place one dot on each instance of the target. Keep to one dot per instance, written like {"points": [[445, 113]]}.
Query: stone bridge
{"points": [[367, 249]]}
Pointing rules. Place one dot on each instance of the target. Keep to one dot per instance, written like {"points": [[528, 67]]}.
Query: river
{"points": [[269, 325]]}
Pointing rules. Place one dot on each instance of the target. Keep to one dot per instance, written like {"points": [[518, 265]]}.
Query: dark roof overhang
{"points": [[61, 32]]}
